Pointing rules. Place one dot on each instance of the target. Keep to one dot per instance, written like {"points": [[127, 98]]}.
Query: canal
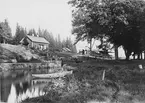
{"points": [[14, 90], [17, 83]]}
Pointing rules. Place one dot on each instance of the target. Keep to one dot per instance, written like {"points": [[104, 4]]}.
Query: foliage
{"points": [[55, 43], [32, 32], [122, 21], [125, 30], [5, 31], [19, 35], [68, 44], [105, 46], [85, 22], [123, 83]]}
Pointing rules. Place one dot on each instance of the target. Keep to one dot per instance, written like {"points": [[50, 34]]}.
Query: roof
{"points": [[38, 39], [66, 49]]}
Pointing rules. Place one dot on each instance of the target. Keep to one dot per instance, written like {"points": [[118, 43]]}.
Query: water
{"points": [[14, 90]]}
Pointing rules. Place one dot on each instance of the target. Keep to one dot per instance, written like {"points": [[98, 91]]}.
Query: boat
{"points": [[52, 75]]}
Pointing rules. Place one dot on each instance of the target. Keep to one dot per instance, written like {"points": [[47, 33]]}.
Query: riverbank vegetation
{"points": [[124, 82], [119, 22]]}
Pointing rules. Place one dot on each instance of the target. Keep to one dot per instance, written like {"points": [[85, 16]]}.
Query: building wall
{"points": [[37, 45], [40, 45], [30, 42]]}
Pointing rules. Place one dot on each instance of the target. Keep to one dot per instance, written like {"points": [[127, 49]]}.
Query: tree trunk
{"points": [[141, 57], [0, 87], [127, 56], [90, 44], [4, 41], [144, 55], [116, 52], [138, 56], [133, 56]]}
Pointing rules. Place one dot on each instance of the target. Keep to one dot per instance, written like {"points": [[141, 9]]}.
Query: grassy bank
{"points": [[124, 83]]}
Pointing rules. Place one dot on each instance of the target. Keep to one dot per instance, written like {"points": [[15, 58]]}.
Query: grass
{"points": [[124, 83]]}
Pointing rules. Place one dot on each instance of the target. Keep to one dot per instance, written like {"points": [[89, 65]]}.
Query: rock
{"points": [[5, 66], [18, 52], [13, 60], [4, 61], [140, 66], [6, 74]]}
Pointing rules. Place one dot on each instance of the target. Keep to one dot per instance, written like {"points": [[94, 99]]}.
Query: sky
{"points": [[53, 15]]}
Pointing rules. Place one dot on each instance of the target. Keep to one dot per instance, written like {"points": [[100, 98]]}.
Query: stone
{"points": [[13, 60], [140, 66]]}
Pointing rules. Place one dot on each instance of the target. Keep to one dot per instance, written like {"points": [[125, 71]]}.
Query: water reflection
{"points": [[16, 90], [12, 96]]}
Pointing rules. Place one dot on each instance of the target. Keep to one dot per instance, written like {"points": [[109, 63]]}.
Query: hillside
{"points": [[16, 53]]}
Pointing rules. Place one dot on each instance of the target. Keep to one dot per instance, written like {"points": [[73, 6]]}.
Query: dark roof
{"points": [[38, 39]]}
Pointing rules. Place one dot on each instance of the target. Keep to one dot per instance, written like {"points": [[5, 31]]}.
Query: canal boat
{"points": [[52, 75]]}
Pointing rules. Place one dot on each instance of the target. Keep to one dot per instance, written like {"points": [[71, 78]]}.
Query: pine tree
{"points": [[19, 35], [5, 32]]}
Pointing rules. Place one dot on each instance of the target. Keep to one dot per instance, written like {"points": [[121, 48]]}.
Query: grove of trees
{"points": [[121, 21], [5, 32], [56, 44]]}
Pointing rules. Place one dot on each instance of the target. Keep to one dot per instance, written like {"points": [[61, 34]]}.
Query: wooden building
{"points": [[35, 42]]}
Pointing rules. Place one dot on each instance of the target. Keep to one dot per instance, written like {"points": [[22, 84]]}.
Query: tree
{"points": [[125, 25], [58, 43], [49, 37], [19, 35], [5, 32], [32, 32], [119, 20], [85, 21], [68, 44], [40, 32], [105, 46]]}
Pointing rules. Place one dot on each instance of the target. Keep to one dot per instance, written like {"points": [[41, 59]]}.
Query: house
{"points": [[35, 42]]}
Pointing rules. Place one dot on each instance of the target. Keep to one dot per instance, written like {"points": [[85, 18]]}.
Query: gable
{"points": [[38, 39]]}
